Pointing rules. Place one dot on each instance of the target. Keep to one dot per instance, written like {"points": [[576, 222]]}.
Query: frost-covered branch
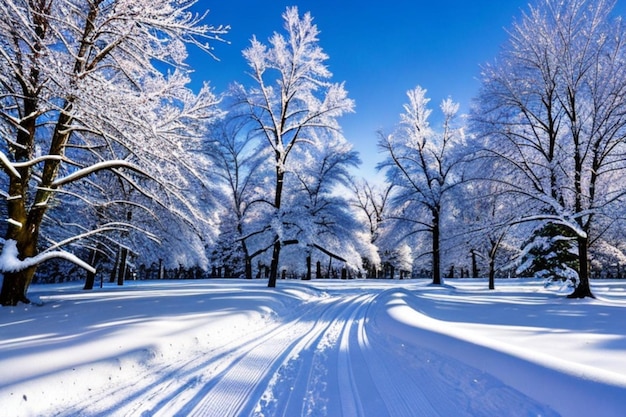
{"points": [[10, 262], [109, 227], [81, 173], [9, 165]]}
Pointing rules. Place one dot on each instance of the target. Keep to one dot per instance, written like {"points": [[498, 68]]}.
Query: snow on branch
{"points": [[37, 160], [81, 173], [5, 161], [109, 227], [10, 262], [560, 220]]}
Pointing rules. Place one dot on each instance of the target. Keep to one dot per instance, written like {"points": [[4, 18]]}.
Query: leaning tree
{"points": [[81, 92]]}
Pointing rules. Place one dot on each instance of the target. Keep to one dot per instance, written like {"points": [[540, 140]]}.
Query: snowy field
{"points": [[321, 348]]}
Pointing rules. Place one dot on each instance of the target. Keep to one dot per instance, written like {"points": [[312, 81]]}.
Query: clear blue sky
{"points": [[380, 49]]}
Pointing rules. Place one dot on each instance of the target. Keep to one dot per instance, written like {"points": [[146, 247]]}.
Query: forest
{"points": [[114, 168]]}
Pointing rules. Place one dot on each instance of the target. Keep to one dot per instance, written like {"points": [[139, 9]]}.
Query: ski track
{"points": [[290, 367]]}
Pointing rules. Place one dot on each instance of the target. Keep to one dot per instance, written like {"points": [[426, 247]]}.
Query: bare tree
{"points": [[552, 109]]}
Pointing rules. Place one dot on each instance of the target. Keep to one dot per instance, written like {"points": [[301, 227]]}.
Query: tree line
{"points": [[111, 162]]}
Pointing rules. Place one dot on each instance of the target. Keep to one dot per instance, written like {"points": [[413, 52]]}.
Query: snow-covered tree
{"points": [[240, 164], [608, 254], [315, 215], [550, 253], [370, 203], [551, 110], [81, 93], [292, 102], [485, 220], [424, 166]]}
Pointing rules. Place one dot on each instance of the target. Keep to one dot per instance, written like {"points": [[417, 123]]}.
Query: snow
{"points": [[9, 165], [10, 262], [318, 348]]}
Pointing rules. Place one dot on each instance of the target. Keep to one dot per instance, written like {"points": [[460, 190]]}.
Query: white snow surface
{"points": [[318, 348]]}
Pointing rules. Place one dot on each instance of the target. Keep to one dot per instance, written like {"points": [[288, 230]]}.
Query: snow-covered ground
{"points": [[321, 348]]}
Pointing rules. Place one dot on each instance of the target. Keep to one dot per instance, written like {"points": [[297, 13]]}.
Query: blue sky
{"points": [[379, 49]]}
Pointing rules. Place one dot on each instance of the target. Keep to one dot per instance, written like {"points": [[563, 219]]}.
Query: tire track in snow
{"points": [[370, 383], [329, 357], [162, 386], [239, 387], [287, 392], [227, 380], [377, 375], [323, 364], [397, 380], [158, 386], [355, 382], [343, 357]]}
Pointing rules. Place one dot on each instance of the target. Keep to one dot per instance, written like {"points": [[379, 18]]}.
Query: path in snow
{"points": [[326, 353], [214, 350]]}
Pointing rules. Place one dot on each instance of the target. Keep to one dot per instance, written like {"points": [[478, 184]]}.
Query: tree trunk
{"points": [[121, 273], [436, 252], [248, 267], [308, 268], [247, 259], [15, 284], [492, 273], [113, 276], [474, 264], [280, 176], [91, 277], [271, 283], [583, 289]]}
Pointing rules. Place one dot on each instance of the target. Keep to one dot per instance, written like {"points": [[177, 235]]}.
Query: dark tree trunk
{"points": [[583, 289], [248, 267], [436, 252], [121, 272], [15, 286], [492, 274], [271, 283], [474, 264], [280, 176], [113, 275], [91, 276], [89, 281], [308, 268], [247, 259]]}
